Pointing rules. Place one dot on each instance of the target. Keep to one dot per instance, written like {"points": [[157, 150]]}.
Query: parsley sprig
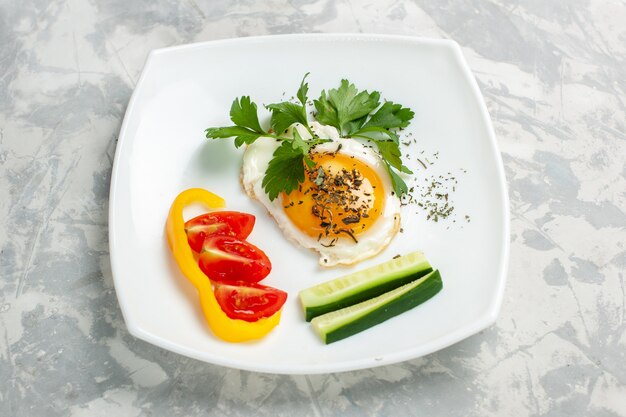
{"points": [[354, 113]]}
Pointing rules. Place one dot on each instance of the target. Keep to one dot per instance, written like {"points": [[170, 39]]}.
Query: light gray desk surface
{"points": [[553, 74]]}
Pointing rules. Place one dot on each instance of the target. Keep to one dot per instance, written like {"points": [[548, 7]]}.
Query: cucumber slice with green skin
{"points": [[348, 321], [363, 285]]}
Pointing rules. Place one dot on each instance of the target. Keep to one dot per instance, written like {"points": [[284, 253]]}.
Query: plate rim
{"points": [[486, 320]]}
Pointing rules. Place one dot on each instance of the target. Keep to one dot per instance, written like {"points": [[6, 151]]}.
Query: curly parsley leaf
{"points": [[345, 105], [285, 171], [247, 129], [391, 116]]}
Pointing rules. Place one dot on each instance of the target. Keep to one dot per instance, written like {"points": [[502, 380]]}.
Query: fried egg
{"points": [[345, 209]]}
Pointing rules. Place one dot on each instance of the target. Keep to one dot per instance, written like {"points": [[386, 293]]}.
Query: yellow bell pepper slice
{"points": [[231, 330]]}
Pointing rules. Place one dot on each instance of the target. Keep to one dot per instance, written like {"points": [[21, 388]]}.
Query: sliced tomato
{"points": [[249, 301], [222, 223], [228, 259]]}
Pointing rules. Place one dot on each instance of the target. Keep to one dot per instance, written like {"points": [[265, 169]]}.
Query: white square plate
{"points": [[162, 151]]}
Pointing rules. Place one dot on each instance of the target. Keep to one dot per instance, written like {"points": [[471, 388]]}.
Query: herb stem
{"points": [[310, 130]]}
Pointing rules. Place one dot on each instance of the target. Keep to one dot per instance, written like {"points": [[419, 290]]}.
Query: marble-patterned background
{"points": [[553, 74]]}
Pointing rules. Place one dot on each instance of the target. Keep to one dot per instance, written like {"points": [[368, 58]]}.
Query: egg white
{"points": [[345, 252]]}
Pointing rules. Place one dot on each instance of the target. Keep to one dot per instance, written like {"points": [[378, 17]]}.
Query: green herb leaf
{"points": [[344, 105], [326, 112], [299, 143], [355, 125], [303, 90], [354, 113], [243, 113], [285, 170], [399, 186], [242, 135], [285, 114], [390, 153], [305, 146], [388, 145], [391, 116], [376, 134], [406, 170]]}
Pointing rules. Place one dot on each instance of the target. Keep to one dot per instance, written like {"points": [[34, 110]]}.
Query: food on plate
{"points": [[344, 208], [333, 185], [223, 326], [228, 259], [221, 223], [249, 301], [348, 321], [362, 285]]}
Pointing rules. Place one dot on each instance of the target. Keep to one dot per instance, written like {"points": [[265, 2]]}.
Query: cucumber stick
{"points": [[347, 321], [363, 285]]}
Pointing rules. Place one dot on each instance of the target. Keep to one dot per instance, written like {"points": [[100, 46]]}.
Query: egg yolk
{"points": [[341, 197]]}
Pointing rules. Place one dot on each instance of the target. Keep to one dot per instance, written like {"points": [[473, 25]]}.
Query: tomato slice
{"points": [[222, 223], [228, 259], [249, 301]]}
